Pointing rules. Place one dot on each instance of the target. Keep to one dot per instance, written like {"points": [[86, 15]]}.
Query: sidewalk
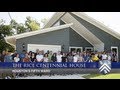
{"points": [[75, 76]]}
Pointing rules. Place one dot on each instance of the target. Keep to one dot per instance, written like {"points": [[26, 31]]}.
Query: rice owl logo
{"points": [[105, 66]]}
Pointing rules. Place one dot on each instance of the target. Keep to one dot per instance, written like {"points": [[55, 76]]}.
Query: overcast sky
{"points": [[110, 19]]}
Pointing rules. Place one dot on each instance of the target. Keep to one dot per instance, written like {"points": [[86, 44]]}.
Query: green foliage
{"points": [[19, 27], [15, 28], [5, 30], [31, 24], [13, 23], [88, 76], [5, 46], [99, 76]]}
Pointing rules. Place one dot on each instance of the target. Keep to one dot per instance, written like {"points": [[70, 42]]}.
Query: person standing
{"points": [[59, 57], [75, 58], [16, 58], [32, 58], [22, 55], [69, 57], [114, 56], [3, 56], [100, 55], [39, 57], [109, 56], [26, 59], [104, 56], [81, 59], [54, 57], [45, 59], [64, 58], [8, 57], [37, 52], [86, 57], [95, 58], [14, 54], [49, 56]]}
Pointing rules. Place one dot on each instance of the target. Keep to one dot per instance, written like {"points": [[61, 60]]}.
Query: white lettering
{"points": [[15, 65], [28, 65]]}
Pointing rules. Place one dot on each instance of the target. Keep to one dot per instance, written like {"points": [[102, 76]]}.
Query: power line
{"points": [[9, 15]]}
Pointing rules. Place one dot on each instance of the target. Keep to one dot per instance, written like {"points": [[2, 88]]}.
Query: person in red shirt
{"points": [[26, 59]]}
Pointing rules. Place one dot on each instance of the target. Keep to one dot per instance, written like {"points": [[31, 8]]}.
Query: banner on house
{"points": [[49, 65], [94, 65]]}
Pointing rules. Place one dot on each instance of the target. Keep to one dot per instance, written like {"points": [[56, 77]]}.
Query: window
{"points": [[75, 49], [53, 48], [89, 49], [115, 49]]}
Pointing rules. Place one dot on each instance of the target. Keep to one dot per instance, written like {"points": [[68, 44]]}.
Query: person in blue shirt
{"points": [[22, 55], [8, 57], [86, 57]]}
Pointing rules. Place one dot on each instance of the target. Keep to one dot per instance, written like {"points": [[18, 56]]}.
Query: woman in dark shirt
{"points": [[54, 58], [33, 58], [64, 57]]}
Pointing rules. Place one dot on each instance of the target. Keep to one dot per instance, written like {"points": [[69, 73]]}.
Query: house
{"points": [[67, 31]]}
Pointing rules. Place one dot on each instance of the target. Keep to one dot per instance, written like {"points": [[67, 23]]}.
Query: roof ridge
{"points": [[99, 24], [41, 30]]}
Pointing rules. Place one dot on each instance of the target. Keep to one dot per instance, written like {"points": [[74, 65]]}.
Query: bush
{"points": [[5, 46]]}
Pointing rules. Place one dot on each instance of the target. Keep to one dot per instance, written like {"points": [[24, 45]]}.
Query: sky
{"points": [[20, 17], [110, 19]]}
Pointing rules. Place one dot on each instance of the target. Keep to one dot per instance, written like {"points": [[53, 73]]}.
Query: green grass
{"points": [[100, 76], [91, 76]]}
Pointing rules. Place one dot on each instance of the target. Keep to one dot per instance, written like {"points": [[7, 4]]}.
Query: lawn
{"points": [[100, 76]]}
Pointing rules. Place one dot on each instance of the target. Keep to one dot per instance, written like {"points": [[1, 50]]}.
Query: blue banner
{"points": [[48, 65], [33, 65], [115, 65]]}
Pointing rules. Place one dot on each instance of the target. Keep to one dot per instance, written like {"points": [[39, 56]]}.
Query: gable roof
{"points": [[73, 23], [12, 39], [83, 31], [53, 19], [97, 24], [86, 18]]}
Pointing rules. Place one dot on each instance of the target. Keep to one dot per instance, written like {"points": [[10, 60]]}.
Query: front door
{"points": [[115, 49]]}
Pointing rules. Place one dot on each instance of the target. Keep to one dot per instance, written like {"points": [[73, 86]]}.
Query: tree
{"points": [[13, 23], [44, 21], [5, 30], [19, 28], [31, 24]]}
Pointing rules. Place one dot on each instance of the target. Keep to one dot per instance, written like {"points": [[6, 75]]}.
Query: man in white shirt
{"points": [[75, 58], [104, 56], [59, 57], [39, 57], [109, 56]]}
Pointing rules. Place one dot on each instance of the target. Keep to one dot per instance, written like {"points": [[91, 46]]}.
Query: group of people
{"points": [[49, 56]]}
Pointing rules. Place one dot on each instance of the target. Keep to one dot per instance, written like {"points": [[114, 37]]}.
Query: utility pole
{"points": [[9, 15]]}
